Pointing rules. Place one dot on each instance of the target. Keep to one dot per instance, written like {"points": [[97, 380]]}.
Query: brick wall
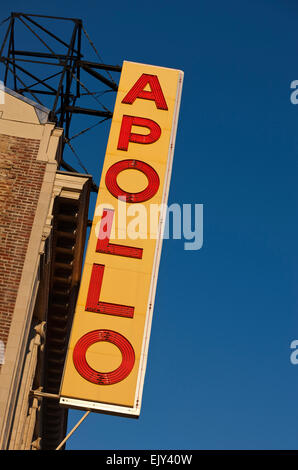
{"points": [[21, 177]]}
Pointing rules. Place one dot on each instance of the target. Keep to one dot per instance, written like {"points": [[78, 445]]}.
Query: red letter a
{"points": [[137, 91]]}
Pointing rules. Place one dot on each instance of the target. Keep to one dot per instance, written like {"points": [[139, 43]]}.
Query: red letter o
{"points": [[103, 378], [116, 191]]}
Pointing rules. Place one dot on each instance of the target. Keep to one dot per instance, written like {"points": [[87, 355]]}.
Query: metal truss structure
{"points": [[50, 70]]}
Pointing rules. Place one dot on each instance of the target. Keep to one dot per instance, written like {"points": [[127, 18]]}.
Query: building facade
{"points": [[43, 221]]}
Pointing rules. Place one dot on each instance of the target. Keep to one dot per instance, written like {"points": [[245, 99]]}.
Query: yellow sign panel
{"points": [[108, 347]]}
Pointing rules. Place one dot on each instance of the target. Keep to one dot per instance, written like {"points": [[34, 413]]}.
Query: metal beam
{"points": [[100, 77], [97, 65], [6, 36], [36, 35], [41, 54], [45, 16], [27, 73], [47, 31], [69, 55], [39, 92], [39, 394], [42, 81], [90, 112]]}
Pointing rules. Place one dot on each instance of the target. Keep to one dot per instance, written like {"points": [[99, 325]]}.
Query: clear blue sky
{"points": [[219, 374]]}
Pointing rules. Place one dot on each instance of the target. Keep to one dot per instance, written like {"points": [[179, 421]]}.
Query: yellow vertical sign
{"points": [[107, 354]]}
